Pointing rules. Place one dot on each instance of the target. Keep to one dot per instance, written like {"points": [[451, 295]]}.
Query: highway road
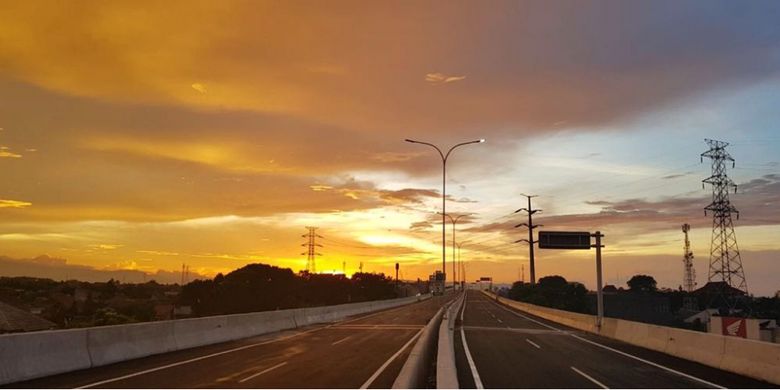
{"points": [[508, 348], [364, 351]]}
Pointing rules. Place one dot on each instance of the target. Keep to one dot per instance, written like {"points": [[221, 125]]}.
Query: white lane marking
{"points": [[649, 362], [590, 378], [262, 372], [499, 321], [198, 358], [387, 363], [474, 373], [533, 343], [708, 383], [340, 341], [238, 349]]}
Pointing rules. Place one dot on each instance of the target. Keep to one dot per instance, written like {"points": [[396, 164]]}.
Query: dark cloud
{"points": [[757, 202]]}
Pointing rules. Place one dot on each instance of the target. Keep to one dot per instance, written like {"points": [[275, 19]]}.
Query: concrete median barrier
{"points": [[414, 373], [755, 359], [446, 371], [33, 355]]}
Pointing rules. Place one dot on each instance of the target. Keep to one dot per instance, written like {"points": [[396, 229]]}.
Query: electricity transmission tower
{"points": [[311, 253], [531, 227], [689, 278], [725, 261]]}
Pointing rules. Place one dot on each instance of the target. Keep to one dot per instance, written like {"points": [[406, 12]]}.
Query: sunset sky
{"points": [[140, 137]]}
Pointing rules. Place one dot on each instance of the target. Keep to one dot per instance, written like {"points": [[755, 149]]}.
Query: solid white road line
{"points": [[533, 343], [708, 383], [262, 372], [474, 373], [590, 378], [387, 363], [341, 341]]}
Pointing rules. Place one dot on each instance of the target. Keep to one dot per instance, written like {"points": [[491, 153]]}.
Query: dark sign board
{"points": [[564, 240], [486, 279]]}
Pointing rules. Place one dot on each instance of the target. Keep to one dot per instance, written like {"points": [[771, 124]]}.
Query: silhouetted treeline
{"points": [[552, 291], [75, 304], [261, 287]]}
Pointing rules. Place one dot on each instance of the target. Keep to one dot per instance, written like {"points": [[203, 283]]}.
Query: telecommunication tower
{"points": [[725, 261], [311, 236], [689, 278]]}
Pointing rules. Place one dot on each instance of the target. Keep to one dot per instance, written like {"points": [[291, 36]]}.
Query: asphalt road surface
{"points": [[513, 349], [363, 351]]}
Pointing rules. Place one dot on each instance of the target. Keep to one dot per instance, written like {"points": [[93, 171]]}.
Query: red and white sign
{"points": [[733, 326]]}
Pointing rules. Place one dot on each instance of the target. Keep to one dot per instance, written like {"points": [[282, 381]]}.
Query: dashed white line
{"points": [[198, 358], [533, 343], [341, 341], [590, 378], [615, 350], [269, 369], [387, 363], [472, 366]]}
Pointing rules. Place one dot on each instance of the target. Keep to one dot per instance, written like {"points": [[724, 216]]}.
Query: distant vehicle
{"points": [[436, 283]]}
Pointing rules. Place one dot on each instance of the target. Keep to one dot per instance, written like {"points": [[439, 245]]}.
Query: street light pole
{"points": [[461, 268], [454, 222], [444, 158]]}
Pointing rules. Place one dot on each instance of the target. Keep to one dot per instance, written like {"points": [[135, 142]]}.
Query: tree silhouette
{"points": [[642, 284]]}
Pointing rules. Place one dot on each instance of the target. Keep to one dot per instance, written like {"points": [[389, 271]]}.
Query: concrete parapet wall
{"points": [[32, 355], [756, 359], [111, 344], [26, 355]]}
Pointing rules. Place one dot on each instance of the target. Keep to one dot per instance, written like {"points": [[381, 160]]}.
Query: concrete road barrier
{"points": [[29, 355], [446, 371], [33, 355], [755, 359], [111, 344], [414, 372]]}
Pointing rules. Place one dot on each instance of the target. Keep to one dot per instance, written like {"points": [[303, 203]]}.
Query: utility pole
{"points": [[344, 267], [725, 261], [689, 277], [531, 227], [522, 270], [361, 267], [396, 275], [311, 253]]}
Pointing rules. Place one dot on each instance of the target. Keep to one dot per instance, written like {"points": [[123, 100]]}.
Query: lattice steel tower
{"points": [[311, 253], [689, 278], [725, 261]]}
